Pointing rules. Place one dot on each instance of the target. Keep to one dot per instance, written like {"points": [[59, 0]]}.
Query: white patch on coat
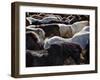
{"points": [[54, 40], [81, 38], [52, 17], [30, 19], [65, 30], [78, 26], [86, 28]]}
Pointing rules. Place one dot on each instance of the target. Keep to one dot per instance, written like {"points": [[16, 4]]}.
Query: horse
{"points": [[78, 43], [45, 20], [65, 30], [78, 26], [33, 41], [62, 30], [81, 38], [57, 54], [49, 29], [38, 31], [36, 58]]}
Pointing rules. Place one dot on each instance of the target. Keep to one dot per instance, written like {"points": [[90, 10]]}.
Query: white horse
{"points": [[78, 26], [67, 31], [53, 17], [30, 19], [46, 19], [81, 38]]}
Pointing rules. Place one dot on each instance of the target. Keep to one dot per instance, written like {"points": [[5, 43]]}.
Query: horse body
{"points": [[81, 38], [45, 47], [36, 58], [33, 41], [40, 33], [78, 26], [65, 30], [57, 54]]}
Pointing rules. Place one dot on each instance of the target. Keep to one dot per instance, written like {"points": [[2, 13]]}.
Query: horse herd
{"points": [[54, 40]]}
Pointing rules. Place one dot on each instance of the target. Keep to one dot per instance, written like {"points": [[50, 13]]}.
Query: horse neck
{"points": [[78, 26], [68, 40]]}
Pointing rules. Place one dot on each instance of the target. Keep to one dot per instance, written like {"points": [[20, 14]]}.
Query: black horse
{"points": [[35, 55], [36, 58], [57, 54], [87, 54], [32, 42], [50, 30]]}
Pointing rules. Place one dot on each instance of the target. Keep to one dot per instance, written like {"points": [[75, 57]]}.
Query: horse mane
{"points": [[46, 45]]}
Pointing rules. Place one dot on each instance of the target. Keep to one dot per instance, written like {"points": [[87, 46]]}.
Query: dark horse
{"points": [[32, 45], [86, 56], [57, 54], [32, 42], [36, 58], [50, 30]]}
